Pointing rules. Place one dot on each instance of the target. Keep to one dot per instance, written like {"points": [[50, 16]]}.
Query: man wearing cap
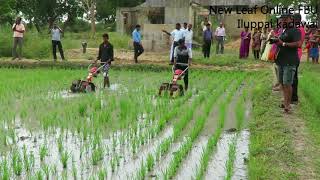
{"points": [[288, 58]]}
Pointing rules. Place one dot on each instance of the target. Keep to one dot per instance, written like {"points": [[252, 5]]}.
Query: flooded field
{"points": [[125, 131]]}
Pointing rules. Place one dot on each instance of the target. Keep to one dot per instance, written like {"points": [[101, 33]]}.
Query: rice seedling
{"points": [[113, 164], [82, 109], [43, 152], [97, 155], [17, 164], [230, 162], [60, 144], [102, 174], [150, 162], [142, 172], [5, 172], [39, 175], [46, 169], [64, 157], [74, 171]]}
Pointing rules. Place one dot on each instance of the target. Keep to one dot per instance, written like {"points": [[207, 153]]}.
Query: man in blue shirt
{"points": [[138, 48]]}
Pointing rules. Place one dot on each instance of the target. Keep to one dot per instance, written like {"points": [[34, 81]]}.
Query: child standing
{"points": [[256, 44]]}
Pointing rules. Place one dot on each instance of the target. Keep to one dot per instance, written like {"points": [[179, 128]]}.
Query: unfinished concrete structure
{"points": [[155, 15]]}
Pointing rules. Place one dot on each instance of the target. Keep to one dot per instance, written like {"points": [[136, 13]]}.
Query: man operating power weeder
{"points": [[182, 59], [106, 57]]}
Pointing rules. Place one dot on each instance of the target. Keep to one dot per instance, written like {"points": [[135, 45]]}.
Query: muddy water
{"points": [[130, 168], [190, 166], [217, 165], [164, 163], [242, 153], [65, 94], [80, 151]]}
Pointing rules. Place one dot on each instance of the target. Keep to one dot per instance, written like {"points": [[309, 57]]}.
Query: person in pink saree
{"points": [[245, 43]]}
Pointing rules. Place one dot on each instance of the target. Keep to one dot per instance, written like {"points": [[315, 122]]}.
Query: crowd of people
{"points": [[284, 47], [281, 45], [263, 50]]}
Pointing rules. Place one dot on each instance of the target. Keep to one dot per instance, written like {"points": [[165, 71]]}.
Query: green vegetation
{"points": [[38, 46], [128, 131]]}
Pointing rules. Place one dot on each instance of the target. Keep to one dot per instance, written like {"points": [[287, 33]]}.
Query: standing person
{"points": [[56, 41], [263, 37], [308, 34], [204, 23], [256, 43], [287, 58], [245, 43], [267, 49], [188, 36], [176, 35], [207, 39], [220, 35], [297, 20], [314, 50], [18, 33], [138, 48], [106, 56], [182, 59], [185, 26]]}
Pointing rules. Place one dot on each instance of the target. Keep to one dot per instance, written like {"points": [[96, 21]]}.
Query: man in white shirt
{"points": [[56, 41], [185, 27], [220, 35], [188, 36], [18, 32], [176, 35]]}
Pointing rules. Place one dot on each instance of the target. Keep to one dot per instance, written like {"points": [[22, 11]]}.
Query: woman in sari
{"points": [[245, 43], [267, 49]]}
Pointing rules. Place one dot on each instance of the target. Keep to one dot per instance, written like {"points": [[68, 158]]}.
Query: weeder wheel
{"points": [[173, 89], [163, 87]]}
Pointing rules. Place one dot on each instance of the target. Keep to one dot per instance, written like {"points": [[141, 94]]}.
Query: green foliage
{"points": [[6, 10]]}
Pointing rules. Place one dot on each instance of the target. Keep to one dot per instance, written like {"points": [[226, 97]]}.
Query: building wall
{"points": [[231, 22]]}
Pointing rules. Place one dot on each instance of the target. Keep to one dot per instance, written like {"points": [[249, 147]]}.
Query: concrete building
{"points": [[155, 15]]}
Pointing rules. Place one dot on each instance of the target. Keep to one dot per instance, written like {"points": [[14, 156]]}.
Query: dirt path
{"points": [[304, 148]]}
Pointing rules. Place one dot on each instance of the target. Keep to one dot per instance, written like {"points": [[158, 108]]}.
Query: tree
{"points": [[6, 10], [89, 6], [313, 3], [106, 9], [43, 12]]}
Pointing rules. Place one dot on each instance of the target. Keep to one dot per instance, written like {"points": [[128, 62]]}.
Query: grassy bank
{"points": [[286, 147], [38, 46], [271, 152]]}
